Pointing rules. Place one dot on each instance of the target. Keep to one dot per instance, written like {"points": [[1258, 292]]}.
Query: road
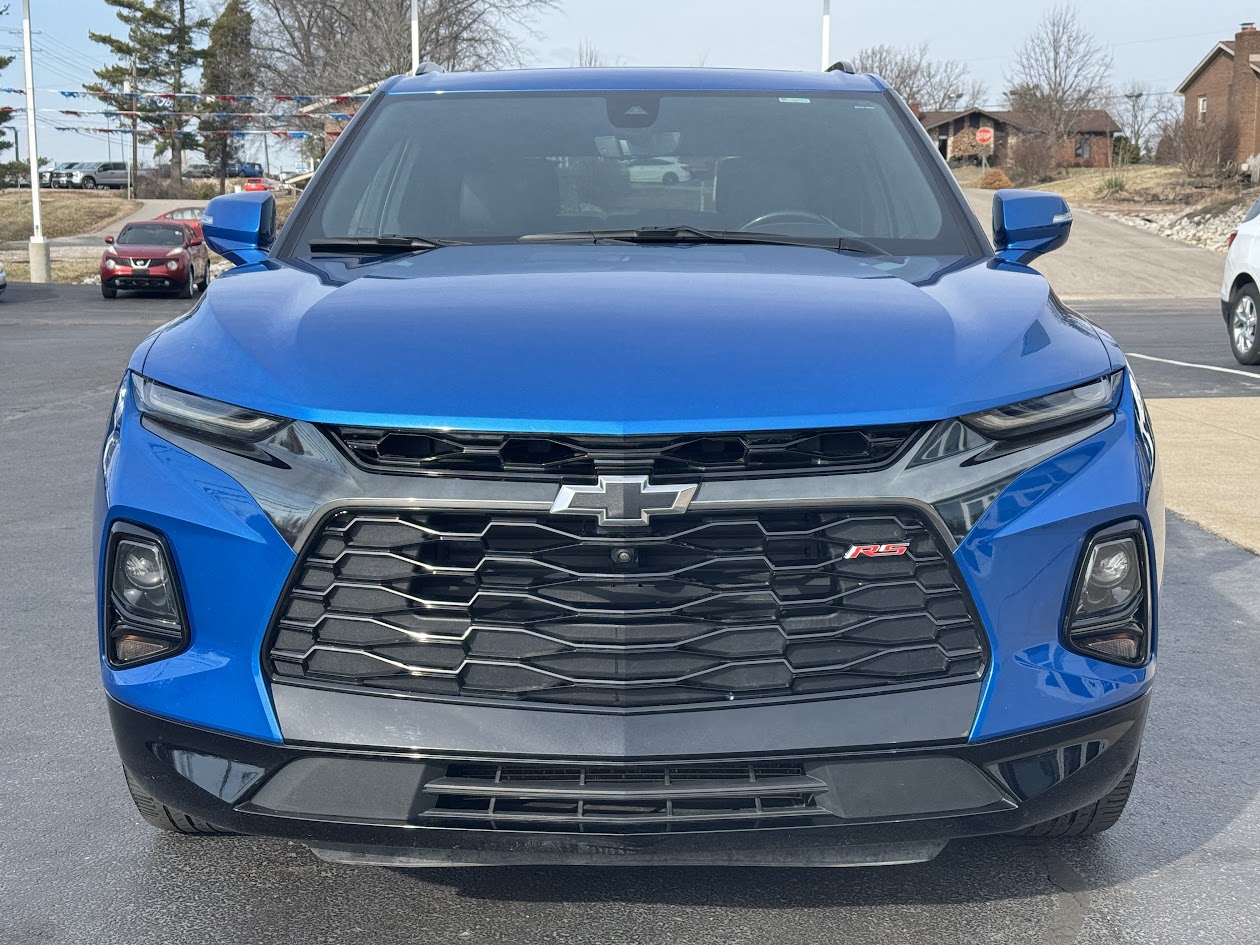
{"points": [[78, 866]]}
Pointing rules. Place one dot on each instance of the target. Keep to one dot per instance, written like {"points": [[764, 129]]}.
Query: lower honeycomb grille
{"points": [[719, 607]]}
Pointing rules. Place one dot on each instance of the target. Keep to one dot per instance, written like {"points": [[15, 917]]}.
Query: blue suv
{"points": [[508, 506]]}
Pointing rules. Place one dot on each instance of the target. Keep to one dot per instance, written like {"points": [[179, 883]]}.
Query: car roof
{"points": [[636, 79]]}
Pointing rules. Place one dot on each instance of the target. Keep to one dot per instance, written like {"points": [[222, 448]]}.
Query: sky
{"points": [[1151, 40]]}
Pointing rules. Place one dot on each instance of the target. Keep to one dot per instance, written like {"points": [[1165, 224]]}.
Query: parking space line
{"points": [[1255, 376]]}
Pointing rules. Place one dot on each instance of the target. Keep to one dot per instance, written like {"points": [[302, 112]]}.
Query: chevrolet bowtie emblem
{"points": [[623, 500]]}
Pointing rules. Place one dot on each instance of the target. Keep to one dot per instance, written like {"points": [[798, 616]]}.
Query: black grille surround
{"points": [[717, 609], [545, 457]]}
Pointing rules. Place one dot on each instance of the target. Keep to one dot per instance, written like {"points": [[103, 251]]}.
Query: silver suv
{"points": [[96, 174]]}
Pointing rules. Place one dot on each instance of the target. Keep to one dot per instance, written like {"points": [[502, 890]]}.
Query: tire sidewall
{"points": [[1252, 355]]}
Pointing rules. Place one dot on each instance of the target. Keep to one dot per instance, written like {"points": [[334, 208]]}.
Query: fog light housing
{"points": [[144, 617], [172, 264], [1109, 615]]}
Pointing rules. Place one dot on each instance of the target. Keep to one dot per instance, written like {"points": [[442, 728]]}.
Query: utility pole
{"points": [[41, 264], [133, 167], [415, 35], [826, 35]]}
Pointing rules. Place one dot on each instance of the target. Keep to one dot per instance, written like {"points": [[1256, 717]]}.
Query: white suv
{"points": [[1240, 297]]}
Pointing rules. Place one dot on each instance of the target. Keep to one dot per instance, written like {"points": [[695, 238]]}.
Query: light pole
{"points": [[40, 260], [415, 36], [826, 35]]}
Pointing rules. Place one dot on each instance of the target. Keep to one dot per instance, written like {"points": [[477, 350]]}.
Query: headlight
{"points": [[201, 415], [172, 264], [111, 263], [1051, 411]]}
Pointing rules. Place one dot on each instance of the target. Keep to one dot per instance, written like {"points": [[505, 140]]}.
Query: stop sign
{"points": [[984, 136]]}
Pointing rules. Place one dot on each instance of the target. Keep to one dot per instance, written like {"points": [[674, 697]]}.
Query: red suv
{"points": [[155, 255]]}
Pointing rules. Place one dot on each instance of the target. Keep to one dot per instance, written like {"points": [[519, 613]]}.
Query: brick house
{"points": [[955, 135], [1225, 86]]}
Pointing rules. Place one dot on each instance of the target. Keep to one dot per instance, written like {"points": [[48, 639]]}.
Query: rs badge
{"points": [[892, 550]]}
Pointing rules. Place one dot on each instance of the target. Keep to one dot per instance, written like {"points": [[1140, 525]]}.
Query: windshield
{"points": [[151, 234], [472, 167]]}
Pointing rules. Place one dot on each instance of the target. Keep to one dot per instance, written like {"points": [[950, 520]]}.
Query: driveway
{"points": [[1106, 259]]}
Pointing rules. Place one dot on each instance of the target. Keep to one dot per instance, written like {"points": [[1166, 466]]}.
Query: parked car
{"points": [[94, 174], [46, 175], [4, 279], [245, 169], [658, 170], [1240, 297], [495, 512], [255, 183], [60, 175], [199, 171], [156, 255], [189, 216]]}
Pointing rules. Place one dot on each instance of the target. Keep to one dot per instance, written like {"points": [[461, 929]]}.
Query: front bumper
{"points": [[376, 807]]}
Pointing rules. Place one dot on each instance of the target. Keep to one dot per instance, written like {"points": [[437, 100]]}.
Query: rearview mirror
{"points": [[241, 227], [1029, 223]]}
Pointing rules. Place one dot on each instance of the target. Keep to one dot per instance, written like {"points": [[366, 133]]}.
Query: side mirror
{"points": [[1029, 223], [241, 227], [109, 239], [195, 241]]}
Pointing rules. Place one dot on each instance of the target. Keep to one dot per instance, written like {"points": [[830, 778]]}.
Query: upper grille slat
{"points": [[665, 458], [721, 608]]}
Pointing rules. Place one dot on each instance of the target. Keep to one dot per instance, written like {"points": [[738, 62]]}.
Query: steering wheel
{"points": [[794, 216]]}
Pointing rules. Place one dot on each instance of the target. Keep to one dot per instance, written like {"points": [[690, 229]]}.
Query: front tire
{"points": [[166, 818], [670, 179], [88, 183], [1092, 819], [205, 279], [1244, 332], [186, 290], [109, 292]]}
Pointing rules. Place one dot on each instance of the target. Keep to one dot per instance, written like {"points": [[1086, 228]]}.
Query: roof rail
{"points": [[842, 66], [427, 67]]}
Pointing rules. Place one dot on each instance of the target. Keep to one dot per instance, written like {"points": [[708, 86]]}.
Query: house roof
{"points": [[1093, 120], [1225, 48]]}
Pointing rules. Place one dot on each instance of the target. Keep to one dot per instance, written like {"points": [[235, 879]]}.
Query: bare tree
{"points": [[328, 47], [1142, 113], [1058, 74], [934, 84], [588, 55], [1203, 149]]}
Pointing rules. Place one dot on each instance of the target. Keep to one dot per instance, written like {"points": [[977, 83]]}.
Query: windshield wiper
{"points": [[664, 234], [693, 234], [375, 244]]}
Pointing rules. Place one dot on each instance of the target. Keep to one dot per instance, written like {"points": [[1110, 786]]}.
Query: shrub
{"points": [[1203, 149], [1032, 160], [1112, 186], [994, 179]]}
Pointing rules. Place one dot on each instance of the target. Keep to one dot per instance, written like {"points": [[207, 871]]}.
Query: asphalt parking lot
{"points": [[78, 866]]}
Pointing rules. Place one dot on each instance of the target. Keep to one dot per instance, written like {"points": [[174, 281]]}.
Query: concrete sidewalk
{"points": [[1210, 449]]}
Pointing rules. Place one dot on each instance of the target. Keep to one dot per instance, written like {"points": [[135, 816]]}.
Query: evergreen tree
{"points": [[229, 69], [159, 49], [5, 116]]}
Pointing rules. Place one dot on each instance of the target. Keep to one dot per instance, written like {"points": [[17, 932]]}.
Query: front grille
{"points": [[623, 799], [715, 608], [140, 263], [669, 458]]}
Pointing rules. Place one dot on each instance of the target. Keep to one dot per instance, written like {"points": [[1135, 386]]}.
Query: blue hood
{"points": [[626, 339]]}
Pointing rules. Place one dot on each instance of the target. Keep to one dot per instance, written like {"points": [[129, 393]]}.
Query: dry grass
{"points": [[65, 212], [1144, 184], [63, 270], [284, 206]]}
